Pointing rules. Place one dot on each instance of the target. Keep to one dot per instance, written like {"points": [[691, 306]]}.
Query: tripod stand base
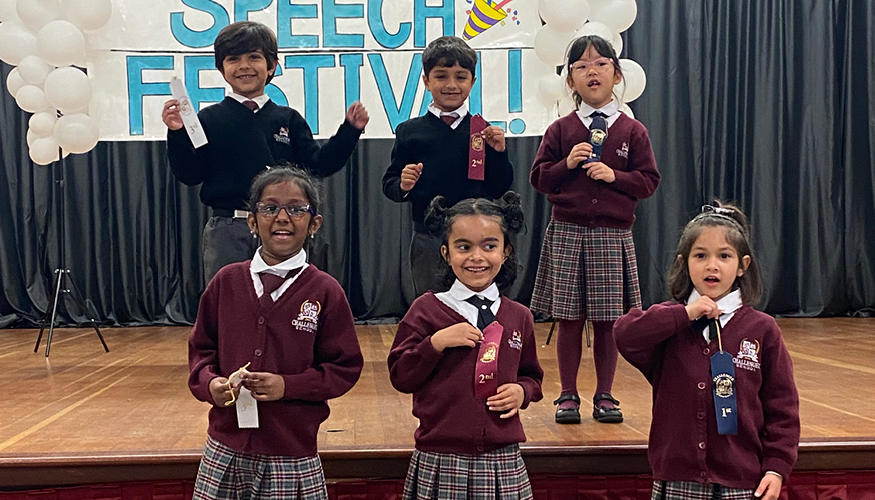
{"points": [[52, 312]]}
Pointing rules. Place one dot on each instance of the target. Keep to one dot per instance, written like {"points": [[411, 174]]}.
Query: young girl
{"points": [[725, 408], [594, 165], [469, 358], [290, 325]]}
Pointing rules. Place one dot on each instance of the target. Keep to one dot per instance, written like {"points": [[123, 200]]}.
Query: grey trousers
{"points": [[426, 263], [226, 240]]}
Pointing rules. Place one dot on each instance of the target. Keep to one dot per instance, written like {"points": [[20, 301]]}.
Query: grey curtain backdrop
{"points": [[768, 103]]}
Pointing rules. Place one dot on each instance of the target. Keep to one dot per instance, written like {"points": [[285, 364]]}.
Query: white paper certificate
{"points": [[189, 114]]}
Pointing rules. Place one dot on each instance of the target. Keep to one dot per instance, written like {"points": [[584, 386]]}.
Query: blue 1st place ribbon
{"points": [[723, 378]]}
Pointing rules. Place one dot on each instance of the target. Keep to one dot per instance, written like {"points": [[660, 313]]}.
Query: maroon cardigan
{"points": [[580, 200], [684, 444], [451, 419], [307, 336]]}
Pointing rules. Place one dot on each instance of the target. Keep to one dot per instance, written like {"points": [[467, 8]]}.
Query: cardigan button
{"points": [[258, 352], [594, 201], [703, 474], [702, 386], [700, 415], [480, 449], [702, 445], [706, 351], [260, 321]]}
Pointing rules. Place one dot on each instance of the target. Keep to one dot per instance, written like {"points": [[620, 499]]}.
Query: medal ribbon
{"points": [[598, 132], [485, 379], [477, 149], [724, 386]]}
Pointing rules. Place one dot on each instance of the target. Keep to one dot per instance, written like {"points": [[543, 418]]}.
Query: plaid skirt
{"points": [[227, 474], [688, 490], [500, 474], [589, 273]]}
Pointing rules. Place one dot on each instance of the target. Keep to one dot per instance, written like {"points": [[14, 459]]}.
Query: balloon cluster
{"points": [[567, 20], [46, 40]]}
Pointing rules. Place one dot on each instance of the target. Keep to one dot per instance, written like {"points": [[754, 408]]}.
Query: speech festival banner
{"points": [[331, 53]]}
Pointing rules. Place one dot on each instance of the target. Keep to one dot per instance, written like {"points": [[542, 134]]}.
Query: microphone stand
{"points": [[62, 273]]}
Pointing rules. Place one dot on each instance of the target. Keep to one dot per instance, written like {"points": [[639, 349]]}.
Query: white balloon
{"points": [[77, 133], [31, 99], [564, 15], [43, 123], [88, 14], [31, 136], [617, 15], [566, 105], [16, 41], [14, 82], [626, 110], [599, 29], [44, 150], [61, 43], [33, 69], [36, 13], [8, 11], [68, 89], [634, 81], [550, 45], [551, 87]]}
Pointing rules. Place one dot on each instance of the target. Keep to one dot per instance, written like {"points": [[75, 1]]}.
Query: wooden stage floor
{"points": [[85, 416]]}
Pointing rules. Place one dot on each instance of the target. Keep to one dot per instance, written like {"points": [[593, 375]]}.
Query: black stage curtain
{"points": [[765, 103]]}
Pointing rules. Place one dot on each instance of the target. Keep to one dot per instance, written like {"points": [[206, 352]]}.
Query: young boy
{"points": [[431, 152], [247, 132]]}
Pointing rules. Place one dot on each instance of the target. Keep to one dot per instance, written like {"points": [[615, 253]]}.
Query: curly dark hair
{"points": [[507, 210], [446, 51], [246, 36]]}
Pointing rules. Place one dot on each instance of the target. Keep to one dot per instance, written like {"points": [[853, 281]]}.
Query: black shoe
{"points": [[606, 415], [571, 415]]}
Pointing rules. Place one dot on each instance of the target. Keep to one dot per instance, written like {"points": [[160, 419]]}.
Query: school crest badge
{"points": [[282, 136], [748, 355], [516, 340], [623, 151], [308, 318]]}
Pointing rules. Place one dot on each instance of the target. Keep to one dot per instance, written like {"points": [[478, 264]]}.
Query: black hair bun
{"points": [[511, 206], [436, 216]]}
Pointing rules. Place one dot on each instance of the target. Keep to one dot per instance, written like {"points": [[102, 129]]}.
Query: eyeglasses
{"points": [[294, 212], [600, 64]]}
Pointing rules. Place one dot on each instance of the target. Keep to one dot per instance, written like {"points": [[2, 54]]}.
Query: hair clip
{"points": [[717, 210], [721, 213]]}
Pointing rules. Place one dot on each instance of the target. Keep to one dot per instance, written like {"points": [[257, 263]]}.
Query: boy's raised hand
{"points": [[409, 175], [264, 386], [495, 138], [509, 398], [769, 488], [578, 153], [703, 306], [357, 115], [458, 335], [170, 115]]}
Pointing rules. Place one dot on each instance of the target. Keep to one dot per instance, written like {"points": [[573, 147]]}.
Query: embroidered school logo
{"points": [[723, 385], [624, 150], [516, 340], [282, 136], [308, 319], [748, 355]]}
